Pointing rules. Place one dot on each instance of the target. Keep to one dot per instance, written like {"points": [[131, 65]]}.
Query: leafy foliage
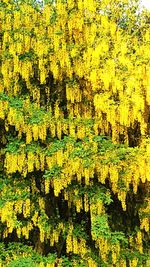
{"points": [[74, 133]]}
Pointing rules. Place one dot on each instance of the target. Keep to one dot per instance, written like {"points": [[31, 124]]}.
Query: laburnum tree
{"points": [[74, 133]]}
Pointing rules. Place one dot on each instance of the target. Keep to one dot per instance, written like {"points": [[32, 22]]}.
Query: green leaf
{"points": [[54, 172]]}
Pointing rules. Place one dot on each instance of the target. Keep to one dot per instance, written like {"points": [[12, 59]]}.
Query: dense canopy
{"points": [[74, 133]]}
